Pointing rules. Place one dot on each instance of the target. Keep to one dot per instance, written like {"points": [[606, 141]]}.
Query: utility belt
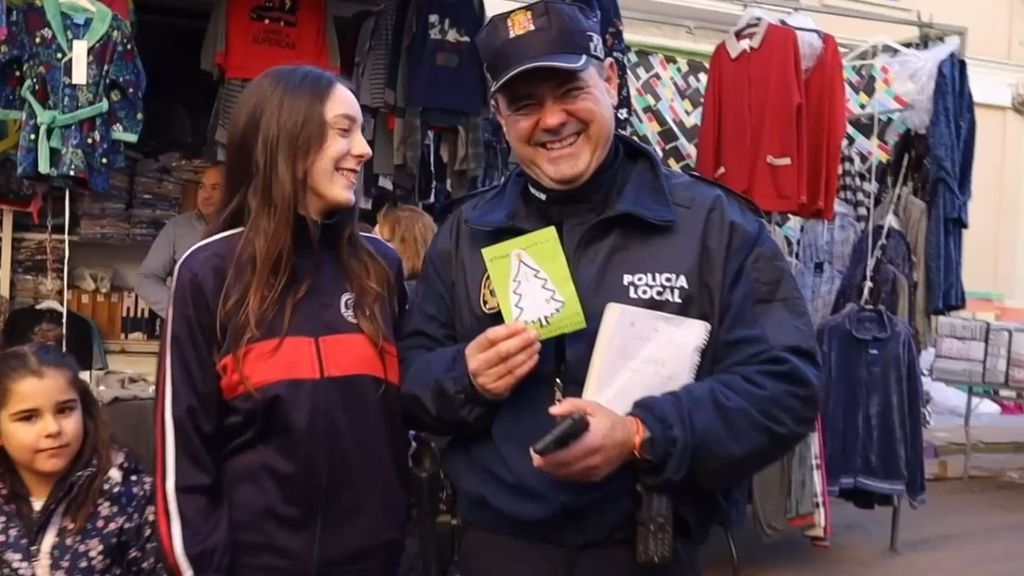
{"points": [[440, 530]]}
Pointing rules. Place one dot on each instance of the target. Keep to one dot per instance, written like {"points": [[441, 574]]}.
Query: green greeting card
{"points": [[533, 283]]}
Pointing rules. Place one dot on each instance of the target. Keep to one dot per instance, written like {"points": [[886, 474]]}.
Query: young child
{"points": [[70, 504]]}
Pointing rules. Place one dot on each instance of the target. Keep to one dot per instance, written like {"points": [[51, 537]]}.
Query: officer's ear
{"points": [[608, 70]]}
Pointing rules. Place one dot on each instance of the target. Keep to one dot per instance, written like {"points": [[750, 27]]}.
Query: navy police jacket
{"points": [[673, 243], [300, 468]]}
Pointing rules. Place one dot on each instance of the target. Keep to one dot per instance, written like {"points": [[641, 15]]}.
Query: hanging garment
{"points": [[824, 254], [374, 55], [833, 242], [913, 214], [31, 325], [227, 99], [825, 95], [214, 39], [872, 413], [123, 8], [10, 132], [892, 279], [822, 528], [819, 283], [916, 73], [855, 185], [801, 489], [770, 494], [951, 138], [444, 66], [72, 131], [913, 150], [812, 43], [261, 34], [753, 135]]}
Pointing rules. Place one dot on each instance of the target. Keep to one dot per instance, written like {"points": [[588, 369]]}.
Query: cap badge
{"points": [[520, 22]]}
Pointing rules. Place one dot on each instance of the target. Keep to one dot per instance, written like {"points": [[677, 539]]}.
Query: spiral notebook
{"points": [[641, 353]]}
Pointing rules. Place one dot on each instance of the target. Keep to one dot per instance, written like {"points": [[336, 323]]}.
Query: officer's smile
{"points": [[561, 143]]}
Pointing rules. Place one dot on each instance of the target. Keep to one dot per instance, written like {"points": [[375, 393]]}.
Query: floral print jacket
{"points": [[119, 538]]}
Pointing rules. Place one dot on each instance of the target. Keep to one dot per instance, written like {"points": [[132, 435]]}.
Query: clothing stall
{"points": [[89, 175], [859, 157]]}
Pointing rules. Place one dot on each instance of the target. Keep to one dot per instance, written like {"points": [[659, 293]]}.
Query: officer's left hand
{"points": [[606, 445]]}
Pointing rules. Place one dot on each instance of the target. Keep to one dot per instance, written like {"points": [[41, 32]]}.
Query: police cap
{"points": [[545, 34]]}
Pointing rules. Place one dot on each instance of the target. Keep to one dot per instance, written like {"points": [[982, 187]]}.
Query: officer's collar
{"points": [[646, 195]]}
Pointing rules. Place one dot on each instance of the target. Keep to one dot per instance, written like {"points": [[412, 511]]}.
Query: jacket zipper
{"points": [[319, 524], [322, 476], [53, 508]]}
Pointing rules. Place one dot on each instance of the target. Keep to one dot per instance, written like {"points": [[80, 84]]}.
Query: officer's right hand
{"points": [[501, 357]]}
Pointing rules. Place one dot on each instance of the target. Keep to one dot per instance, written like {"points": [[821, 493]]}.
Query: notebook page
{"points": [[641, 353]]}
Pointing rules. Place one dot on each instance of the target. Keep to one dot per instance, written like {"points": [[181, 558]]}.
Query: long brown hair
{"points": [[33, 361], [409, 229], [276, 130]]}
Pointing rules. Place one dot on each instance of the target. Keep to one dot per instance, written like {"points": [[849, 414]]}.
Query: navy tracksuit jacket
{"points": [[670, 242], [303, 473]]}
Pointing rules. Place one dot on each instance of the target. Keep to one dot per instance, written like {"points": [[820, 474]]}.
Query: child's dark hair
{"points": [[34, 361]]}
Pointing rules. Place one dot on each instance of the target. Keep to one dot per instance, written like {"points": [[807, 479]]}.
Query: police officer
{"points": [[633, 232]]}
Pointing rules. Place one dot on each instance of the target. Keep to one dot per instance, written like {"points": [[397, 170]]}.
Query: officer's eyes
{"points": [[572, 92], [523, 107]]}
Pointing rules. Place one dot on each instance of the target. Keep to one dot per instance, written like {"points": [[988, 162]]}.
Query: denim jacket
{"points": [[872, 415]]}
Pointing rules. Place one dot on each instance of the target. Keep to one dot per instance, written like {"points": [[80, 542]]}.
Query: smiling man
{"points": [[178, 235], [633, 232]]}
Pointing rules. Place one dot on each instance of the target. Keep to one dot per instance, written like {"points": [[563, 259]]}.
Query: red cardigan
{"points": [[752, 134], [825, 91]]}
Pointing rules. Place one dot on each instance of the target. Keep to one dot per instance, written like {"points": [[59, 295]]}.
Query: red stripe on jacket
{"points": [[306, 358]]}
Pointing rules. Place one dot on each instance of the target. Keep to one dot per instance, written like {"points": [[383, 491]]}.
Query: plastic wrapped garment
{"points": [[914, 74]]}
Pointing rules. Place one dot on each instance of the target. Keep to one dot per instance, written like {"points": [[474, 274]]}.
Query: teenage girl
{"points": [[281, 448]]}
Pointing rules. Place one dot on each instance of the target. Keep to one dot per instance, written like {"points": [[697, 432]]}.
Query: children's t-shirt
{"points": [[262, 34]]}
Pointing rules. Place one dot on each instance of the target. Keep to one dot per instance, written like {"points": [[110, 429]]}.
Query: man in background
{"points": [[181, 233]]}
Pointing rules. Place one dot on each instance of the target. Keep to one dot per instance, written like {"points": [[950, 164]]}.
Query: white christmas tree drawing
{"points": [[535, 299]]}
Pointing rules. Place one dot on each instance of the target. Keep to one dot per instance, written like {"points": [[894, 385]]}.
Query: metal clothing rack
{"points": [[921, 24]]}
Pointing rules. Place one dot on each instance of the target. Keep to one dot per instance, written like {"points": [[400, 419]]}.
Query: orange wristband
{"points": [[638, 436]]}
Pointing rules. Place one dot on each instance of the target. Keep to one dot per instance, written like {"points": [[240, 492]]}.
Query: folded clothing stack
{"points": [[123, 386], [960, 350], [29, 270], [156, 198], [105, 217], [189, 170]]}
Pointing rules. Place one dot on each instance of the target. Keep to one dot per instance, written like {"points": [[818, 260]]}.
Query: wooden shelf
{"points": [[132, 346]]}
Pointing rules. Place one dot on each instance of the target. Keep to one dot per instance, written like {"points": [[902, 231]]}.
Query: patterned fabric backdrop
{"points": [[870, 88], [668, 98]]}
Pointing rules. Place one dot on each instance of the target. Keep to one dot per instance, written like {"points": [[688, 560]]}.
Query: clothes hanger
{"points": [[877, 42], [50, 305], [753, 17], [802, 22]]}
